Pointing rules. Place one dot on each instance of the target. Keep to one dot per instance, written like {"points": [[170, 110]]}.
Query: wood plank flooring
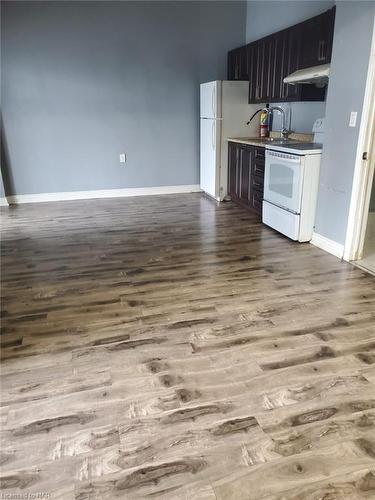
{"points": [[368, 259], [170, 348]]}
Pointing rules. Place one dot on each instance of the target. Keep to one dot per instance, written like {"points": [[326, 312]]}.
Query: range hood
{"points": [[315, 75]]}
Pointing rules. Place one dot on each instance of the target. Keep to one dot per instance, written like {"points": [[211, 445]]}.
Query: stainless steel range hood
{"points": [[316, 75]]}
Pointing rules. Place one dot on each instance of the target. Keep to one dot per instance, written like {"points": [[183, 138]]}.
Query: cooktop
{"points": [[298, 148]]}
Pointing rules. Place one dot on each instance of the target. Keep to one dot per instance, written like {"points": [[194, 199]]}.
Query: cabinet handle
{"points": [[239, 182], [321, 51]]}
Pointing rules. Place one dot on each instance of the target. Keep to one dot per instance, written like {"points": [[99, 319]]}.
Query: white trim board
{"points": [[330, 246], [103, 193], [363, 169], [3, 202]]}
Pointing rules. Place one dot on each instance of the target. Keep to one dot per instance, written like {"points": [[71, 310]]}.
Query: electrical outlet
{"points": [[353, 119], [122, 158]]}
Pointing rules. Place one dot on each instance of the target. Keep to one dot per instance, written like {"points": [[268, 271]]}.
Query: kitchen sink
{"points": [[273, 139]]}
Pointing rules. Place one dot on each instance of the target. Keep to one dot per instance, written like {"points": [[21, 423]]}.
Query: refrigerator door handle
{"points": [[213, 136], [213, 98]]}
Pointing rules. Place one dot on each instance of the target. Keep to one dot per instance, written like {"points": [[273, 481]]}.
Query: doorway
{"points": [[367, 259], [360, 239], [359, 248]]}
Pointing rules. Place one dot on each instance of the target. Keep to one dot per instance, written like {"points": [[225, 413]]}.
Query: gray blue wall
{"points": [[350, 58], [84, 81], [300, 115], [266, 17]]}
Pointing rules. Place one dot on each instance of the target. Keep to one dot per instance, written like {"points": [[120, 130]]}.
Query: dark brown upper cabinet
{"points": [[264, 68], [316, 39], [266, 62], [289, 54], [252, 73], [238, 64]]}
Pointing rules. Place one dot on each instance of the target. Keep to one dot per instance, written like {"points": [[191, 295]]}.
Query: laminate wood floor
{"points": [[168, 348], [368, 260]]}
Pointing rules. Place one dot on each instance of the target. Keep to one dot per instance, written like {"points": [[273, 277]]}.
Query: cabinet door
{"points": [[256, 202], [246, 175], [310, 43], [243, 61], [290, 62], [272, 68], [270, 61], [233, 153], [238, 64], [267, 72], [326, 26], [317, 36], [257, 180], [281, 59], [252, 71], [260, 74], [246, 157], [257, 175], [274, 58], [234, 65], [263, 70], [276, 51], [231, 65]]}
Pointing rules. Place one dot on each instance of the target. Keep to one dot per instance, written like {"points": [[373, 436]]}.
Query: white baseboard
{"points": [[103, 193], [330, 246], [3, 202]]}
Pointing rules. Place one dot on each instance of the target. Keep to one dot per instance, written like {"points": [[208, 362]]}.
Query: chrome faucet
{"points": [[284, 131]]}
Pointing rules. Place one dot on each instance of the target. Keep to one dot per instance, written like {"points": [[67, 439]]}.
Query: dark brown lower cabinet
{"points": [[246, 175]]}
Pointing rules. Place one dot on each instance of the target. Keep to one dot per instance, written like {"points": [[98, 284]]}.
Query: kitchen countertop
{"points": [[291, 145], [294, 138], [258, 141]]}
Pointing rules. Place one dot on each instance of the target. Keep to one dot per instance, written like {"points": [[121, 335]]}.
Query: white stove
{"points": [[291, 185]]}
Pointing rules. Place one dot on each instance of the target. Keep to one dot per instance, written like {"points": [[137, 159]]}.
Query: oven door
{"points": [[283, 180]]}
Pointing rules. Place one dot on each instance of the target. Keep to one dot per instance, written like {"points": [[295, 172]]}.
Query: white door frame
{"points": [[364, 169]]}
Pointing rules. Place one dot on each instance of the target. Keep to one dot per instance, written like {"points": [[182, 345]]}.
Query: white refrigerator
{"points": [[224, 111]]}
